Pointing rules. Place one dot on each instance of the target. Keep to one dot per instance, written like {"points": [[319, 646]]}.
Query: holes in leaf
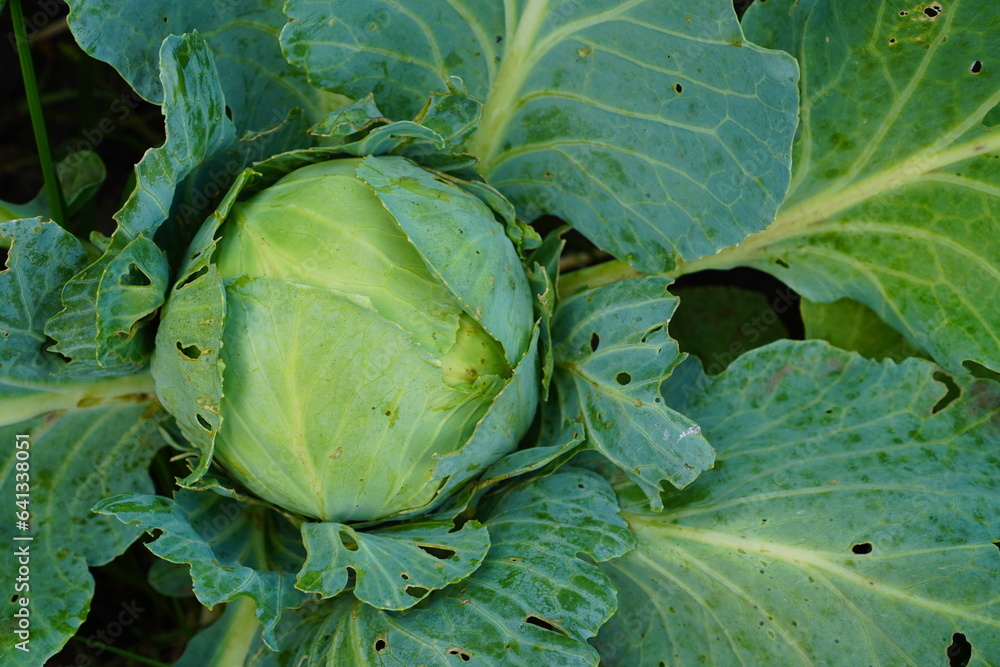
{"points": [[348, 541], [204, 423], [977, 67], [193, 277], [416, 591], [862, 548], [545, 625], [191, 352], [959, 652], [440, 553], [651, 332], [461, 653], [997, 544], [950, 396], [595, 342], [405, 576], [14, 597], [892, 40], [678, 88], [903, 12], [47, 348], [380, 645], [623, 378], [932, 11], [135, 276]]}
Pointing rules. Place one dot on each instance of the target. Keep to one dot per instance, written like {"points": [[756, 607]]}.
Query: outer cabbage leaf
{"points": [[395, 567], [259, 84], [235, 549], [895, 195], [75, 459], [850, 520], [658, 132], [101, 325], [612, 354], [33, 380], [533, 601]]}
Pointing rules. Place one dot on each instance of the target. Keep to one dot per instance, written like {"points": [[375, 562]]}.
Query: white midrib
{"points": [[503, 97], [803, 557], [817, 210], [50, 398]]}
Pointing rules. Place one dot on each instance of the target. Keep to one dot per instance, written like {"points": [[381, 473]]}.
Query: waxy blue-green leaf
{"points": [[33, 381], [534, 601], [657, 131], [101, 327], [851, 520], [187, 365], [394, 568], [235, 550], [895, 195], [259, 84], [71, 461], [613, 352]]}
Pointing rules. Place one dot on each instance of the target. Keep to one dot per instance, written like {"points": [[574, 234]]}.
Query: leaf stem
{"points": [[40, 397], [595, 276], [56, 204], [503, 98], [241, 617]]}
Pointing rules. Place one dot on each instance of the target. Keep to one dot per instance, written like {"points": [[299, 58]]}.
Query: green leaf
{"points": [[850, 520], [72, 460], [187, 365], [433, 214], [612, 353], [235, 550], [102, 325], [895, 195], [659, 134], [850, 325], [243, 37], [33, 380], [533, 601], [394, 568], [717, 323]]}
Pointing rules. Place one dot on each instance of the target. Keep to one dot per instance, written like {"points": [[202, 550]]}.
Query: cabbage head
{"points": [[354, 353]]}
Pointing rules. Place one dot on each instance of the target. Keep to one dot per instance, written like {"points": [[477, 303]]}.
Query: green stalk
{"points": [[42, 397], [56, 204], [594, 276]]}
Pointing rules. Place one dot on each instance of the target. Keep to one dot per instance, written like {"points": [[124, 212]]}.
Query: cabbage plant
{"points": [[529, 332], [355, 356]]}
